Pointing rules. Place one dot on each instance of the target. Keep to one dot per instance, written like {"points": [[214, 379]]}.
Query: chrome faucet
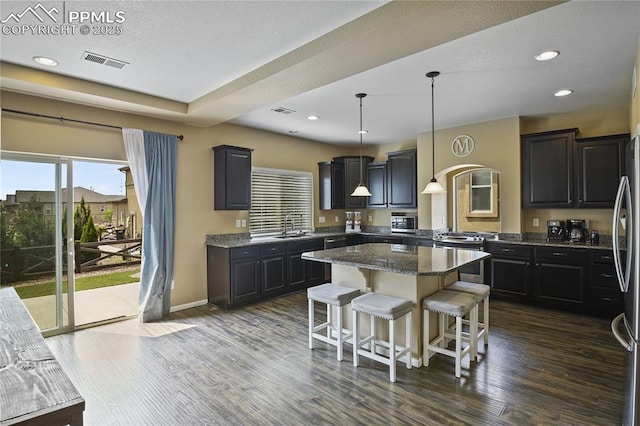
{"points": [[286, 218]]}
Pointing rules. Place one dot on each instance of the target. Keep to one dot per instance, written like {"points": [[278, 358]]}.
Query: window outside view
{"points": [[106, 228]]}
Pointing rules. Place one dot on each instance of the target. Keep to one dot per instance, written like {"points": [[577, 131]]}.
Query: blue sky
{"points": [[100, 177]]}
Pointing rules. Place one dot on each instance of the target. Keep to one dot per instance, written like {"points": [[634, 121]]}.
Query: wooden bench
{"points": [[34, 390]]}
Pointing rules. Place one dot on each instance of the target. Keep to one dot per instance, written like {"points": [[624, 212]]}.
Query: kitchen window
{"points": [[481, 189], [276, 194], [483, 194]]}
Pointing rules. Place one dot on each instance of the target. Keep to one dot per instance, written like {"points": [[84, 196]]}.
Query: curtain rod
{"points": [[33, 114]]}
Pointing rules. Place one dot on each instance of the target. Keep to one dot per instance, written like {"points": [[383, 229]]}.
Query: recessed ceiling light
{"points": [[363, 131], [546, 55], [563, 92], [313, 117], [42, 60]]}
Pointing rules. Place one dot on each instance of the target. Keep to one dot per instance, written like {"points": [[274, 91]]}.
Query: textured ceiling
{"points": [[207, 62]]}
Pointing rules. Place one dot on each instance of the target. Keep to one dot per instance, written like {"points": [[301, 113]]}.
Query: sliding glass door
{"points": [[37, 239]]}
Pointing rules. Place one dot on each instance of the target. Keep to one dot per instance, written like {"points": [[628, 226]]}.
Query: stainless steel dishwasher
{"points": [[332, 242]]}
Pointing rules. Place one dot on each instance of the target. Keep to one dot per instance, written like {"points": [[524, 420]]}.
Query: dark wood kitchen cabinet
{"points": [[560, 277], [547, 169], [233, 276], [304, 273], [599, 164], [559, 170], [402, 179], [242, 275], [274, 269], [331, 185], [508, 271], [605, 297], [338, 178], [354, 170], [377, 184], [232, 178]]}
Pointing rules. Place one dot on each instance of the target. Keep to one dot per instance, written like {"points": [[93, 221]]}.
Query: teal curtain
{"points": [[155, 157]]}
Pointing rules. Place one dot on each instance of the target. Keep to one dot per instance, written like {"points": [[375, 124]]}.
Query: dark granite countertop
{"points": [[399, 258], [564, 244], [244, 240]]}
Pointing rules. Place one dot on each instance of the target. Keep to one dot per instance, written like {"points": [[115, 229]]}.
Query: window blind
{"points": [[276, 193]]}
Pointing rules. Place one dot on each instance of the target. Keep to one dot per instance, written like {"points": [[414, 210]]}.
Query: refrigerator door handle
{"points": [[616, 333], [623, 194]]}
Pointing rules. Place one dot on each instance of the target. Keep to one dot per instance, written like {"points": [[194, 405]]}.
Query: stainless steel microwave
{"points": [[404, 223]]}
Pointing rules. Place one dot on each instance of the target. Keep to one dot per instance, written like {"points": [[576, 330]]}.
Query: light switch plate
{"points": [[321, 219], [238, 223]]}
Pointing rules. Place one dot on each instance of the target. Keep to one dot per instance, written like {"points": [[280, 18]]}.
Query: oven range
{"points": [[469, 241]]}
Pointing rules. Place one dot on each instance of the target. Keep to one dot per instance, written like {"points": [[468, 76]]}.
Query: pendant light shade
{"points": [[361, 190], [433, 187]]}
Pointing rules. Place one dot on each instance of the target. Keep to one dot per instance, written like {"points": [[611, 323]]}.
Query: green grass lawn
{"points": [[82, 283]]}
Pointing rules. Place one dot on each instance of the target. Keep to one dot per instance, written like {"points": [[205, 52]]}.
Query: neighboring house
{"points": [[134, 219], [98, 203]]}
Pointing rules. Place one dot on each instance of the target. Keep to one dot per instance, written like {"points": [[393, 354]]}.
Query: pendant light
{"points": [[433, 187], [361, 190]]}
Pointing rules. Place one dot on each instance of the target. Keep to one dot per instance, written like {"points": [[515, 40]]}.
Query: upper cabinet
{"points": [[338, 178], [599, 164], [561, 171], [331, 175], [547, 164], [232, 177], [402, 179], [377, 181]]}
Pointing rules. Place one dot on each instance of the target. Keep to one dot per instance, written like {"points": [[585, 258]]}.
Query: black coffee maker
{"points": [[576, 230], [555, 230]]}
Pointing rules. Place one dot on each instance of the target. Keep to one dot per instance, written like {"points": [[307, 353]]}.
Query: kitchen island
{"points": [[409, 272]]}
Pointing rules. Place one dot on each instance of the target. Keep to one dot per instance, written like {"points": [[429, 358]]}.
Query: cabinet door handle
{"points": [[603, 275], [606, 257], [507, 250], [608, 299], [557, 253]]}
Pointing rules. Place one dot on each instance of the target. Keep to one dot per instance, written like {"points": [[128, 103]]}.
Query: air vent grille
{"points": [[103, 60], [283, 110]]}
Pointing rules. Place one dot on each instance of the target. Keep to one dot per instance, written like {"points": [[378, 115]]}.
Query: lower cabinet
{"points": [[381, 239], [304, 273], [560, 277], [274, 269], [243, 275], [508, 271], [605, 297], [572, 279]]}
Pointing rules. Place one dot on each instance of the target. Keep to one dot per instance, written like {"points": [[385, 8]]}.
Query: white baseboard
{"points": [[188, 305]]}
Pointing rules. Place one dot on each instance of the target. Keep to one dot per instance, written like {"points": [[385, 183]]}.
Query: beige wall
{"points": [[497, 146], [195, 215]]}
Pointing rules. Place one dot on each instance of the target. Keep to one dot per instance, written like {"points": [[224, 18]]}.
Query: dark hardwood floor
{"points": [[251, 366]]}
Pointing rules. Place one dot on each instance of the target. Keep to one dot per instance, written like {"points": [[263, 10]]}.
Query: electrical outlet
{"points": [[244, 223], [370, 218], [337, 219], [238, 223], [172, 284], [321, 219], [536, 221]]}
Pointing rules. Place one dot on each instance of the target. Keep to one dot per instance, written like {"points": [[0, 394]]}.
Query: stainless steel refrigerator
{"points": [[626, 326]]}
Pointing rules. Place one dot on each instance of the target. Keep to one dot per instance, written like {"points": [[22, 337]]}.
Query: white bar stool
{"points": [[449, 303], [388, 308], [481, 293], [333, 296]]}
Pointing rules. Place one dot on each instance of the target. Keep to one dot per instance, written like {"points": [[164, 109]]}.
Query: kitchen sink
{"points": [[282, 237]]}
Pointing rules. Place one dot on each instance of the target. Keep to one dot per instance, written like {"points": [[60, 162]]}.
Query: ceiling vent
{"points": [[103, 60], [283, 110]]}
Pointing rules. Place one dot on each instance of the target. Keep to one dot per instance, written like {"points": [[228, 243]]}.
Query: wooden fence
{"points": [[27, 263]]}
